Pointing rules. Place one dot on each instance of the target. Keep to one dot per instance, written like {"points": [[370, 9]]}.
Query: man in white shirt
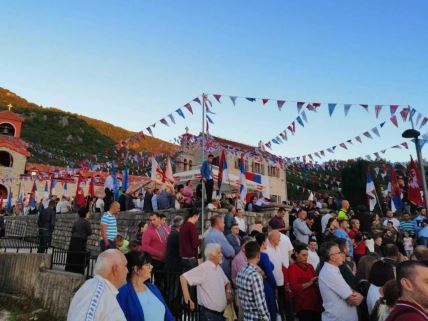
{"points": [[214, 290], [313, 258], [240, 220], [63, 206], [339, 300], [390, 218], [279, 252], [96, 298], [139, 202]]}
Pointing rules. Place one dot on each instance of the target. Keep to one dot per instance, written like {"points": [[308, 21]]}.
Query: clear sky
{"points": [[133, 62]]}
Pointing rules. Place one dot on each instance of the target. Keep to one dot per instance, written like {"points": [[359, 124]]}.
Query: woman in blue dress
{"points": [[268, 280], [140, 299]]}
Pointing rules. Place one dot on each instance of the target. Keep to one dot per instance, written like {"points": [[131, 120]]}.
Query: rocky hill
{"points": [[57, 137]]}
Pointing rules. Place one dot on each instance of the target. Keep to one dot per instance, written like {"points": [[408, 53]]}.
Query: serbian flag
{"points": [[32, 200], [371, 192], [395, 190], [80, 197], [222, 170], [414, 184], [243, 180], [125, 175]]}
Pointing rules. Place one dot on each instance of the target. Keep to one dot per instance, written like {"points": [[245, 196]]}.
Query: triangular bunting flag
{"points": [[275, 141], [299, 106], [366, 107], [217, 97], [418, 118], [358, 139], [189, 108], [404, 113], [393, 109], [331, 108], [376, 131], [423, 123], [382, 124], [405, 145], [377, 108], [264, 101], [163, 121], [349, 141], [233, 99], [180, 112], [268, 145], [394, 120], [377, 155], [197, 100], [149, 130], [347, 107], [367, 134], [172, 118], [250, 99], [209, 119], [280, 103], [343, 145], [300, 121], [322, 153]]}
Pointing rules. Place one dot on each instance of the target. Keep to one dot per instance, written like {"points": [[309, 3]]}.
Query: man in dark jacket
{"points": [[46, 224], [147, 205]]}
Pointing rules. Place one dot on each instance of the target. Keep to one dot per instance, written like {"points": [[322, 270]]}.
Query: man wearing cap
{"points": [[207, 176]]}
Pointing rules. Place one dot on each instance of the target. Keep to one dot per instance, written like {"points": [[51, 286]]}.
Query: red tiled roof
{"points": [[8, 115], [16, 144]]}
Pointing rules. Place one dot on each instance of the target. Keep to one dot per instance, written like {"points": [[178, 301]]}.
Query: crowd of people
{"points": [[339, 265]]}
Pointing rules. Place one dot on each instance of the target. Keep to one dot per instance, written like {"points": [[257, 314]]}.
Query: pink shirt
{"points": [[188, 194], [238, 262]]}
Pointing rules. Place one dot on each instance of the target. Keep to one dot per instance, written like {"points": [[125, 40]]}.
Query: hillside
{"points": [[58, 138]]}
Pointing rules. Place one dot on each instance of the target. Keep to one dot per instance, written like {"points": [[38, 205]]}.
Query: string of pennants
{"points": [[304, 189], [302, 106], [322, 153]]}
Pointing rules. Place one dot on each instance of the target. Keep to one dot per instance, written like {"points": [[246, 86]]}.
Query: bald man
{"points": [[343, 214], [96, 299]]}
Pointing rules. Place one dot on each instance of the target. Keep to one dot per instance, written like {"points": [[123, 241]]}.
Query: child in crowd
{"points": [[408, 244], [122, 244]]}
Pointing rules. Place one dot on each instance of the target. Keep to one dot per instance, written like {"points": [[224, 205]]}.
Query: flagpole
{"points": [[377, 198], [203, 158]]}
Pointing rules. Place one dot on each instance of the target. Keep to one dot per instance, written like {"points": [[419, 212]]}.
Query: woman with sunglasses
{"points": [[139, 298]]}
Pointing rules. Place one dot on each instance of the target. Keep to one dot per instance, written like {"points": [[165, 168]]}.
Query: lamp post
{"points": [[413, 133]]}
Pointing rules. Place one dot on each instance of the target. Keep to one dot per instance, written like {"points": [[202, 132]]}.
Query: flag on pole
{"points": [[243, 180], [46, 196], [125, 183], [32, 200], [9, 201], [115, 182], [222, 170], [80, 197], [169, 176], [415, 183], [371, 192], [395, 190]]}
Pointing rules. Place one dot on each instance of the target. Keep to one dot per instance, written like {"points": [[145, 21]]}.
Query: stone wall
{"points": [[27, 274], [127, 224]]}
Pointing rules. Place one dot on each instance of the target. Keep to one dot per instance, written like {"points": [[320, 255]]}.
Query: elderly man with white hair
{"points": [[214, 290], [96, 298]]}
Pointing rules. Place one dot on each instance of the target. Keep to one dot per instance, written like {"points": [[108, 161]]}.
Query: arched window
{"points": [[6, 159], [190, 165], [3, 192], [185, 165], [7, 129]]}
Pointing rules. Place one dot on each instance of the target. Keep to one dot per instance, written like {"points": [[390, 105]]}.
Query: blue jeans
{"points": [[208, 315], [111, 245]]}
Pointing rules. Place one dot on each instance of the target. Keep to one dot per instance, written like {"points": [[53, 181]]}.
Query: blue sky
{"points": [[132, 62]]}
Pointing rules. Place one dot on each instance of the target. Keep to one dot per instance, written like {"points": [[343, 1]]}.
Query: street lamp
{"points": [[413, 133]]}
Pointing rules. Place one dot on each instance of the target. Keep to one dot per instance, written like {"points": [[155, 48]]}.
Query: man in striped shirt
{"points": [[407, 224], [108, 227], [250, 286]]}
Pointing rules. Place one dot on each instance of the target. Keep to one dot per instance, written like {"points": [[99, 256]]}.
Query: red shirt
{"points": [[360, 247], [189, 240], [304, 299], [407, 311]]}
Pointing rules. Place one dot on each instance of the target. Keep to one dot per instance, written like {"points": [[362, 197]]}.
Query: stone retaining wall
{"points": [[127, 223], [27, 274]]}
